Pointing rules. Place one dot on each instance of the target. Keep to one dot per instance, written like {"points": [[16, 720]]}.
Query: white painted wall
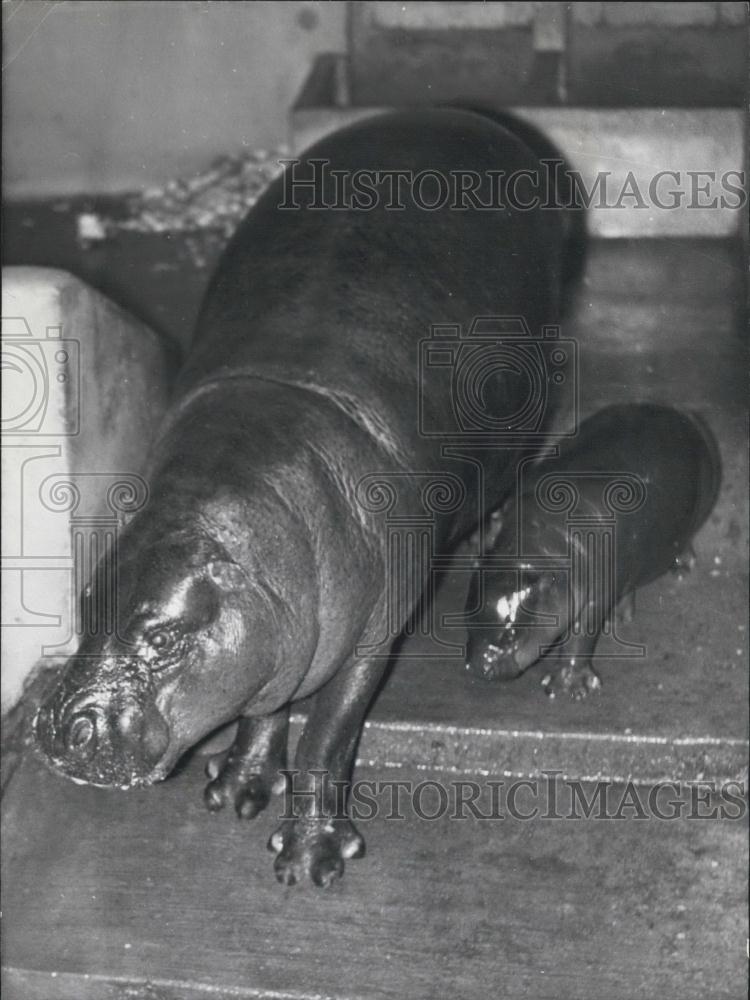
{"points": [[112, 96]]}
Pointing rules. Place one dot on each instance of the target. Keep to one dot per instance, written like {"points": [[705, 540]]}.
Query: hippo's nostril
{"points": [[81, 732]]}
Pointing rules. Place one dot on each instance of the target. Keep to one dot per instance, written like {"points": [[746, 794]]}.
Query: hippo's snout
{"points": [[103, 738]]}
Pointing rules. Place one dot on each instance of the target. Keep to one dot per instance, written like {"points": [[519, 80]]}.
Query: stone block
{"points": [[84, 388], [673, 15]]}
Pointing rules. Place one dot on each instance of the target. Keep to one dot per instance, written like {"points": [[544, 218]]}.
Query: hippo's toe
{"points": [[236, 782], [314, 848], [576, 679]]}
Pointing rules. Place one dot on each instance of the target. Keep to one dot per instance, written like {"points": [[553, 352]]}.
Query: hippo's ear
{"points": [[226, 575]]}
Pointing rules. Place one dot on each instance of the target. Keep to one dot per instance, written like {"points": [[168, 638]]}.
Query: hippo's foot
{"points": [[246, 785], [576, 678], [246, 775], [314, 848]]}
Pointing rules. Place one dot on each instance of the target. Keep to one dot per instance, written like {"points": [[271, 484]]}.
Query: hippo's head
{"points": [[521, 612], [158, 671]]}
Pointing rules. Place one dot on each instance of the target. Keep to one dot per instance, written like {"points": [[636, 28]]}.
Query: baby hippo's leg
{"points": [[245, 775], [574, 674]]}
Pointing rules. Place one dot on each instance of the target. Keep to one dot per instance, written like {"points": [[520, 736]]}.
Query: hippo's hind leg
{"points": [[317, 836], [246, 774], [574, 674]]}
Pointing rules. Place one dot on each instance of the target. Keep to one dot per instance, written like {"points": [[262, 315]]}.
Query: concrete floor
{"points": [[145, 895]]}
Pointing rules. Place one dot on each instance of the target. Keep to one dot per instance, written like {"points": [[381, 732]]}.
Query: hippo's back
{"points": [[339, 297]]}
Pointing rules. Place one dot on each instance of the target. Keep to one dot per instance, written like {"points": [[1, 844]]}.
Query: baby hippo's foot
{"points": [[245, 784], [491, 663], [575, 678], [314, 847]]}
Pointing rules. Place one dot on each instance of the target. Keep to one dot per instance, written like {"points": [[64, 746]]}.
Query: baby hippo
{"points": [[615, 510]]}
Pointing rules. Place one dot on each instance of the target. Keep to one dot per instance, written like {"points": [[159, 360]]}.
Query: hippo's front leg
{"points": [[318, 836], [245, 775]]}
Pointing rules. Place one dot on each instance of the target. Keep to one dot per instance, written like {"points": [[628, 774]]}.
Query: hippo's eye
{"points": [[161, 640]]}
